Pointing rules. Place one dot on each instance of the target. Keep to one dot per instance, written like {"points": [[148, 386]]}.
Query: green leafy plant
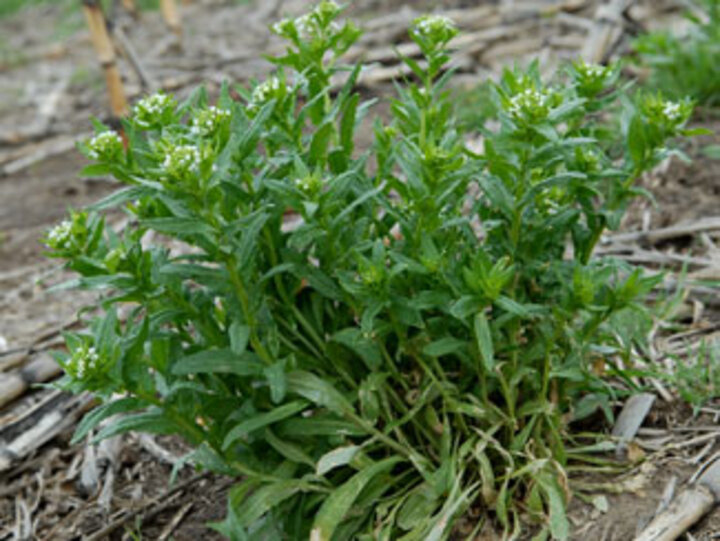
{"points": [[686, 65], [697, 376], [378, 341]]}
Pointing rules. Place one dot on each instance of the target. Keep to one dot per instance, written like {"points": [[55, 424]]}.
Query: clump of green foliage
{"points": [[686, 65], [697, 376], [374, 341]]}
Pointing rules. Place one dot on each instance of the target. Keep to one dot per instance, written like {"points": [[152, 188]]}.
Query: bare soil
{"points": [[47, 483]]}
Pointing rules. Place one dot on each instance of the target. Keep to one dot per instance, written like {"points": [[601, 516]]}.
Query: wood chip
{"points": [[688, 508]]}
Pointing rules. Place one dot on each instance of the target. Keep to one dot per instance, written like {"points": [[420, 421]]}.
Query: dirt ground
{"points": [[46, 489]]}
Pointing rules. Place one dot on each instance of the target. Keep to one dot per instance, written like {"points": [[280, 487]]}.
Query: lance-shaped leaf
{"points": [[333, 510], [263, 419]]}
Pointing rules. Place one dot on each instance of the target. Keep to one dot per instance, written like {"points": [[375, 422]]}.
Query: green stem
{"points": [[197, 434], [242, 296]]}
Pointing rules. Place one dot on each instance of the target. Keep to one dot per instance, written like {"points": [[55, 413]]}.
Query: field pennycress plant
{"points": [[380, 343]]}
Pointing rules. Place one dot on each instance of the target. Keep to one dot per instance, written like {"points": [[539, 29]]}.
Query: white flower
{"points": [[529, 102], [264, 92], [60, 235], [182, 160], [280, 28], [105, 145], [435, 27], [672, 112], [305, 26], [592, 71], [83, 363], [310, 25], [207, 121], [152, 109]]}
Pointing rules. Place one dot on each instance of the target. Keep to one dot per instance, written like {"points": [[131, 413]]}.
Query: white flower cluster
{"points": [[435, 27], [305, 26], [672, 112], [529, 102], [592, 71], [182, 160], [60, 235], [266, 91], [283, 27], [83, 363], [105, 145], [668, 114], [207, 121], [308, 26], [595, 71], [151, 110]]}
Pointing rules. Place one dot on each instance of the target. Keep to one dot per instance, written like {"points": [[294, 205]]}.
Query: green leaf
{"points": [[498, 195], [340, 218], [338, 503], [275, 375], [451, 507], [209, 276], [636, 143], [91, 420], [444, 346], [239, 334], [568, 107], [266, 498], [309, 427], [464, 306], [347, 124], [251, 135], [319, 281], [151, 421], [94, 170], [523, 311], [251, 227], [288, 449], [318, 391], [178, 226], [119, 197], [417, 508], [336, 458], [218, 361], [320, 143], [366, 349], [484, 341], [263, 419], [692, 132], [559, 525], [502, 504]]}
